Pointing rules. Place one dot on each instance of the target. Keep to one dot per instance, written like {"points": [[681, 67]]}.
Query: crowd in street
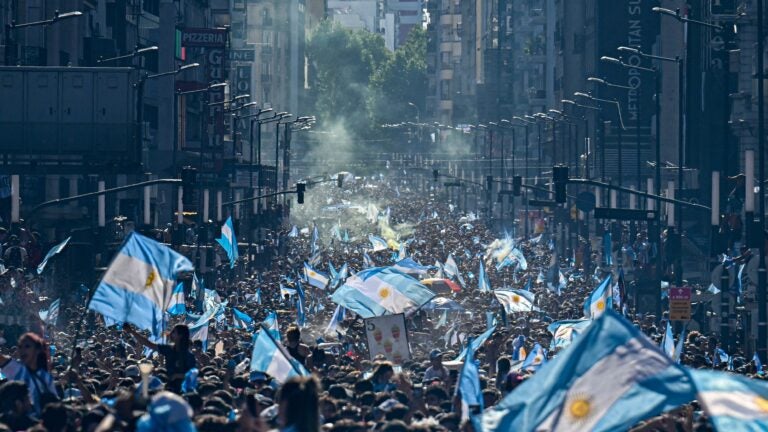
{"points": [[93, 375]]}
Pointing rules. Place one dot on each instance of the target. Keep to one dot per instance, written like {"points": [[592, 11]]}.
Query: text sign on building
{"points": [[204, 37], [679, 303], [242, 55]]}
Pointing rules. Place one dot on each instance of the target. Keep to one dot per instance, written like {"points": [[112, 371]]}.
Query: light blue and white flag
{"points": [[271, 358], [483, 282], [336, 319], [178, 304], [51, 314], [732, 402], [599, 300], [339, 277], [468, 387], [515, 300], [317, 280], [611, 378], [450, 268], [301, 314], [199, 332], [535, 359], [476, 343], [294, 232], [138, 284], [402, 253], [290, 292], [367, 261], [377, 243], [241, 320], [565, 332], [228, 241], [720, 356], [54, 251], [381, 291], [668, 342], [315, 238], [411, 267], [556, 281], [680, 345], [758, 364], [270, 322]]}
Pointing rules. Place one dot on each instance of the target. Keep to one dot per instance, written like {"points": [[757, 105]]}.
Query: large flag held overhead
{"points": [[228, 241], [241, 320], [564, 332], [50, 315], [515, 300], [314, 278], [610, 378], [271, 358], [733, 402], [54, 251], [450, 268], [315, 237], [138, 284], [668, 342], [381, 291], [599, 300], [270, 322], [177, 305], [476, 343], [411, 267], [377, 243]]}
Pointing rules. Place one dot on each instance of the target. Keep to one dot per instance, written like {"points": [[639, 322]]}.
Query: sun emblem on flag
{"points": [[762, 404], [516, 298], [312, 274], [580, 408], [600, 305], [384, 292], [150, 279], [537, 360]]}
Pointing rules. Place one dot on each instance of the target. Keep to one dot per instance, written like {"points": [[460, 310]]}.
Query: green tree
{"points": [[401, 81], [343, 62]]}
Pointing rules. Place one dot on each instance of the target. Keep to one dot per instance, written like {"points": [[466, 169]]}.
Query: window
{"points": [[445, 89], [152, 6]]}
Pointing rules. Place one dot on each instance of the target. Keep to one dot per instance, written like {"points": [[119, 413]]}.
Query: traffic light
{"points": [[560, 179], [517, 185], [489, 182], [300, 188], [340, 180], [435, 174], [189, 183]]}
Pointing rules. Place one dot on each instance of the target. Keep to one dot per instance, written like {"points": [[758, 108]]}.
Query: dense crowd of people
{"points": [[86, 375]]}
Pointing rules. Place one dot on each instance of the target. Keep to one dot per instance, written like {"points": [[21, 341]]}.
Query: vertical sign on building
{"points": [[629, 23], [213, 43]]}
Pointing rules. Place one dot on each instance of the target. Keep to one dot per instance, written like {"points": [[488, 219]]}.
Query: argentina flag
{"points": [[51, 253], [271, 358], [314, 278], [611, 378], [381, 291], [138, 284], [515, 300], [599, 300], [228, 241], [733, 402]]}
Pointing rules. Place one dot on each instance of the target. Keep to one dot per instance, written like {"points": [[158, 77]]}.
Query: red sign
{"points": [[680, 293]]}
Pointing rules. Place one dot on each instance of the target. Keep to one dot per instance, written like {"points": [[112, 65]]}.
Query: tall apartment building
{"points": [[356, 14], [406, 15], [443, 59]]}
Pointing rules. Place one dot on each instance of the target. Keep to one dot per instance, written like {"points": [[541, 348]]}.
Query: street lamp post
{"points": [[587, 147], [526, 123], [681, 115], [11, 49]]}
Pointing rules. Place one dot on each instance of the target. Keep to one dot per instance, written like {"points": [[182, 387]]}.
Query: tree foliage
{"points": [[357, 83]]}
